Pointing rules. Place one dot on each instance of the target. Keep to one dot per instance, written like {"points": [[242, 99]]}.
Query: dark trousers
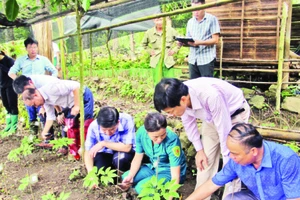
{"points": [[206, 70], [111, 160], [10, 100]]}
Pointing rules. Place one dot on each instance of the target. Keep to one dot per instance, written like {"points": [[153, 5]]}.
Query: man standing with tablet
{"points": [[204, 28]]}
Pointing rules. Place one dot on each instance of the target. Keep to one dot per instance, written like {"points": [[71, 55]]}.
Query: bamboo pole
{"points": [[62, 49], [81, 75], [91, 54], [109, 53], [166, 14], [287, 44], [221, 58], [242, 29], [163, 53], [278, 27], [280, 56], [283, 134]]}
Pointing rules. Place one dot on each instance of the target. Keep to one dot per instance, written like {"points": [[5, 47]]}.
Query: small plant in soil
{"points": [[61, 142], [24, 150], [157, 189], [74, 175], [51, 196], [95, 176], [28, 181]]}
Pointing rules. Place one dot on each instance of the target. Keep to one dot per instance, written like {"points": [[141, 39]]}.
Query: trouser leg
{"points": [[103, 160], [12, 98], [242, 195], [194, 71], [122, 160], [211, 146], [207, 70]]}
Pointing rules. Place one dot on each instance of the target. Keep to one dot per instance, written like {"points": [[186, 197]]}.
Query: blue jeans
{"points": [[242, 195], [33, 113]]}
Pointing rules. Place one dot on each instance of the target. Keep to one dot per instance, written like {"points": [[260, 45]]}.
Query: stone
{"points": [[257, 101], [291, 104], [271, 93]]}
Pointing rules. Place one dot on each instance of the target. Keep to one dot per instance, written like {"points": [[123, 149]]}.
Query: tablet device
{"points": [[184, 40]]}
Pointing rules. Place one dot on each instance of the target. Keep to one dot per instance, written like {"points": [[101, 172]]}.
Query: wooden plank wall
{"points": [[295, 34], [249, 29]]}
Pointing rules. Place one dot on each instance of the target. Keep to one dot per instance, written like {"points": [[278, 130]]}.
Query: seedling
{"points": [[28, 181], [75, 174], [95, 176], [51, 196], [61, 142]]}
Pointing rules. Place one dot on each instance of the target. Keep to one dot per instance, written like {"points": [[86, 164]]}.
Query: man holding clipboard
{"points": [[202, 33]]}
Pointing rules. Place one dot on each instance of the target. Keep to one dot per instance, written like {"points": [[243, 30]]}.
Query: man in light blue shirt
{"points": [[31, 64], [269, 170], [204, 28], [110, 140]]}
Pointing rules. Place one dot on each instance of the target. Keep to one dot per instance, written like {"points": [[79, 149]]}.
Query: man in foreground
{"points": [[269, 170]]}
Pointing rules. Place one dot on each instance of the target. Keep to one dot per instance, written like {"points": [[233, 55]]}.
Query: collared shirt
{"points": [[28, 67], [214, 101], [153, 41], [278, 177], [124, 134], [166, 154], [202, 30], [42, 80], [58, 93]]}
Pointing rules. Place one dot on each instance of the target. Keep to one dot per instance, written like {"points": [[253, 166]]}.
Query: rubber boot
{"points": [[14, 124], [8, 123]]}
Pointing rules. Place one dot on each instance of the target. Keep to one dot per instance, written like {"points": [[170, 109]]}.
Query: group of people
{"points": [[267, 169]]}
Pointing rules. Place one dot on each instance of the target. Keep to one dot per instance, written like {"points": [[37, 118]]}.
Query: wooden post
{"points": [[221, 58], [287, 44], [81, 75], [62, 48], [132, 45], [109, 53], [278, 27], [91, 54], [280, 56], [242, 29], [163, 52]]}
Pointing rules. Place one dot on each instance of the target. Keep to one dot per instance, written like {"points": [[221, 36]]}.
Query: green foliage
{"points": [[24, 183], [91, 180], [294, 146], [158, 189], [61, 142], [24, 150], [106, 176], [11, 9], [139, 119], [290, 91], [51, 196], [95, 176], [74, 175]]}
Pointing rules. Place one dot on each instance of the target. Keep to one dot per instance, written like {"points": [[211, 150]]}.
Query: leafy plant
{"points": [[158, 189], [51, 196], [24, 150], [75, 174], [28, 181], [61, 142], [95, 176]]}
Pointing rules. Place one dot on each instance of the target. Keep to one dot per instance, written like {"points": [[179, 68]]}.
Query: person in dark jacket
{"points": [[9, 97]]}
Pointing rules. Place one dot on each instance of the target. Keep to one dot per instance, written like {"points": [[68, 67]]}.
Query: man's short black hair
{"points": [[168, 93], [154, 122], [247, 135], [30, 41], [19, 83], [198, 1], [108, 117]]}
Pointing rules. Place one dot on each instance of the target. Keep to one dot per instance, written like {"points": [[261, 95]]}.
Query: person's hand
{"points": [[192, 44], [60, 118], [180, 44], [75, 110], [201, 160], [94, 150], [171, 53], [45, 136], [42, 111], [152, 53], [127, 180]]}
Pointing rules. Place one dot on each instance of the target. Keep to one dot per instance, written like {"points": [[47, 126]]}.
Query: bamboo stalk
{"points": [[91, 54], [109, 53], [221, 57], [242, 29], [81, 75], [62, 49], [287, 44], [166, 14], [280, 134], [278, 27], [280, 56], [163, 52]]}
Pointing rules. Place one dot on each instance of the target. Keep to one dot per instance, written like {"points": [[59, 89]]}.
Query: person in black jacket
{"points": [[9, 97]]}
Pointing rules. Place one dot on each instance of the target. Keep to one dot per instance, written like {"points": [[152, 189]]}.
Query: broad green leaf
{"points": [[86, 5], [11, 9]]}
